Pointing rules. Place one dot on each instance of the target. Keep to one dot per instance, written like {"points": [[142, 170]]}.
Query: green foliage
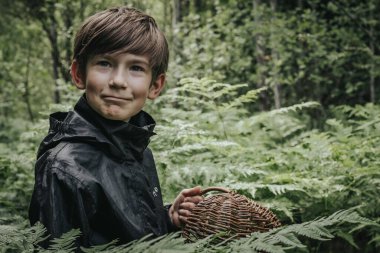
{"points": [[273, 157], [19, 239], [315, 155], [314, 51], [275, 241]]}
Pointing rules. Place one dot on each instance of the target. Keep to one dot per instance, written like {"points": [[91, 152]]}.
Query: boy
{"points": [[94, 170]]}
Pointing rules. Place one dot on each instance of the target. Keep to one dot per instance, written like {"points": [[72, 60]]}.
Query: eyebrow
{"points": [[139, 61], [134, 59]]}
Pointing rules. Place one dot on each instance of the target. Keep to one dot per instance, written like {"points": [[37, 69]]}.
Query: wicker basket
{"points": [[229, 215]]}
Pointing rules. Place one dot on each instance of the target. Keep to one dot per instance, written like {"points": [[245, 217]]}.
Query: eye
{"points": [[105, 64], [137, 68]]}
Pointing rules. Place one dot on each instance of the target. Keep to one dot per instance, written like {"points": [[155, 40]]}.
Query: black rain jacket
{"points": [[98, 175]]}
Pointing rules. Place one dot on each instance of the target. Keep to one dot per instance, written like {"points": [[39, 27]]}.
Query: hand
{"points": [[184, 204]]}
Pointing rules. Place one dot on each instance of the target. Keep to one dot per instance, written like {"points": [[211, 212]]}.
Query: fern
{"points": [[167, 243], [249, 97], [293, 108], [20, 239], [277, 240], [278, 159], [285, 238], [65, 243], [281, 189], [100, 248], [206, 137]]}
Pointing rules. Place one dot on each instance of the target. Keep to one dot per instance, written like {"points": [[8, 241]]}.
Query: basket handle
{"points": [[215, 188]]}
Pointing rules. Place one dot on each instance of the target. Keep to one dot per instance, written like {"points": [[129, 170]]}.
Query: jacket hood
{"points": [[83, 124]]}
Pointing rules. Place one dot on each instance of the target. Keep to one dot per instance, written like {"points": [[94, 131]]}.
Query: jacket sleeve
{"points": [[151, 172], [171, 227], [61, 202]]}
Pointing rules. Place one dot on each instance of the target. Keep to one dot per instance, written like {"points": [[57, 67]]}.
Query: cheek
{"points": [[91, 87], [96, 82], [140, 88], [141, 91]]}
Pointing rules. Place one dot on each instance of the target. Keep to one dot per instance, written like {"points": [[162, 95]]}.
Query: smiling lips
{"points": [[114, 98]]}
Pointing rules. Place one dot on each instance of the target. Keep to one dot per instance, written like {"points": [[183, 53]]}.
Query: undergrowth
{"points": [[323, 183]]}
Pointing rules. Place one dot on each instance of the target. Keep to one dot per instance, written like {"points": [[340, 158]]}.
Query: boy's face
{"points": [[117, 85]]}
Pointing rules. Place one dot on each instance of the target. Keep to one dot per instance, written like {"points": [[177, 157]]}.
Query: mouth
{"points": [[115, 98]]}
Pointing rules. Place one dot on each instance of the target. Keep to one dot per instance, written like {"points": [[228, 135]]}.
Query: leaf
{"points": [[348, 238], [66, 242]]}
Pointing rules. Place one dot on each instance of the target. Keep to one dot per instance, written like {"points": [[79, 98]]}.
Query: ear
{"points": [[77, 76], [157, 86]]}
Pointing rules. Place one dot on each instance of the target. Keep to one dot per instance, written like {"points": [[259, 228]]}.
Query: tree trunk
{"points": [[180, 9], [26, 85], [55, 57], [68, 21], [81, 11], [260, 55], [275, 85], [176, 12], [51, 31], [165, 13], [372, 69], [300, 4], [198, 5]]}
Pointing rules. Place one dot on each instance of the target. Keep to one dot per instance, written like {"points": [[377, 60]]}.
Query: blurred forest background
{"points": [[276, 99]]}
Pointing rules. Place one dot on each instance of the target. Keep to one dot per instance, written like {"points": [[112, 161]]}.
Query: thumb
{"points": [[192, 191]]}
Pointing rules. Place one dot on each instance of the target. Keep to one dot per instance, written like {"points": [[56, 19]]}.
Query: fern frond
{"points": [[21, 239], [227, 90], [288, 239], [66, 242], [242, 186], [281, 189], [200, 146], [265, 247], [294, 108], [280, 239], [317, 229], [186, 99], [349, 216], [246, 170], [375, 239], [212, 91], [348, 238], [189, 148], [249, 97], [193, 91], [166, 243], [275, 189], [100, 248], [368, 124]]}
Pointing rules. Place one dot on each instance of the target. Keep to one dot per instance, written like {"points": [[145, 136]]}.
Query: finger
{"points": [[193, 199], [192, 191], [175, 219], [180, 198], [184, 212], [187, 205], [183, 220]]}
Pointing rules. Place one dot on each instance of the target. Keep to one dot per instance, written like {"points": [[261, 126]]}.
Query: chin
{"points": [[113, 116], [116, 117]]}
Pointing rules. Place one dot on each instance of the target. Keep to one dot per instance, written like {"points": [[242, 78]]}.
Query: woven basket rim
{"points": [[216, 188]]}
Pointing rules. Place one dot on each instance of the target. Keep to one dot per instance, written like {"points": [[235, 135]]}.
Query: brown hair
{"points": [[122, 29]]}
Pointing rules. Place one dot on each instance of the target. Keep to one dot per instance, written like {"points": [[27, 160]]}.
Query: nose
{"points": [[118, 79]]}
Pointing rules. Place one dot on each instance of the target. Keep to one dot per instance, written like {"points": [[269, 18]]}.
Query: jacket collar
{"points": [[133, 135]]}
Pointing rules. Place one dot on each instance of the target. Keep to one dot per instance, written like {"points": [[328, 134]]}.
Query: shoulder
{"points": [[69, 161]]}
